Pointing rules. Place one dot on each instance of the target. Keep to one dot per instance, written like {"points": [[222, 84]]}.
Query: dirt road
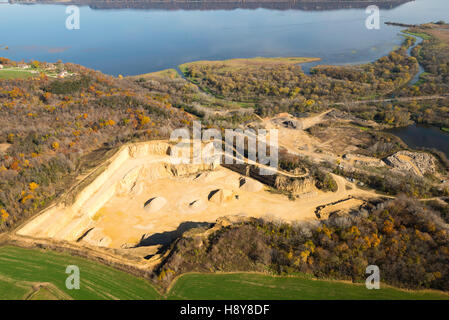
{"points": [[401, 99]]}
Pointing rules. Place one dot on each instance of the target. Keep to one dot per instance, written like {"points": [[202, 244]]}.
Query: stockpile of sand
{"points": [[208, 176], [220, 195], [4, 147], [218, 175], [137, 189], [155, 204], [195, 204], [96, 237], [250, 185]]}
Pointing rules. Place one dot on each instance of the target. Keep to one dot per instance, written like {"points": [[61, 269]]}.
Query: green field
{"points": [[39, 274], [20, 269], [259, 287], [16, 74], [166, 73], [424, 36]]}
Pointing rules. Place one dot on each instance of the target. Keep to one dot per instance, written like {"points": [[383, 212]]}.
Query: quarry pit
{"points": [[142, 193]]}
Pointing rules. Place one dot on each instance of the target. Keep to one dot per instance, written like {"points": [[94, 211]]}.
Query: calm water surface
{"points": [[131, 41], [424, 136]]}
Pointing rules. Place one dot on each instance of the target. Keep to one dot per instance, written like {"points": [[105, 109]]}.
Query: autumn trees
{"points": [[287, 88], [53, 124], [408, 241]]}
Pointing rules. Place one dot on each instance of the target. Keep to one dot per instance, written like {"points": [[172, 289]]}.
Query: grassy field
{"points": [[235, 64], [254, 286], [20, 269], [421, 35], [166, 73], [40, 275], [13, 290], [16, 74], [19, 73]]}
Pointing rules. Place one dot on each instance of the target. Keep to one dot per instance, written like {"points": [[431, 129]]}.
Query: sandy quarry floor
{"points": [[187, 200], [180, 193], [116, 210]]}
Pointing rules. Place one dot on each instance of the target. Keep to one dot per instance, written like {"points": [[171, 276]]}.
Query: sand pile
{"points": [[208, 176], [4, 147], [221, 175], [195, 204], [96, 237], [137, 189], [220, 195], [250, 185], [155, 204]]}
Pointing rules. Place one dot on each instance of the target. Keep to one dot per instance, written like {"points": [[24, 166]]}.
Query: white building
{"points": [[63, 74]]}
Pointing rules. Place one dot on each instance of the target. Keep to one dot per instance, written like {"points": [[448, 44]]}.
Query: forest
{"points": [[57, 129], [406, 239], [284, 87]]}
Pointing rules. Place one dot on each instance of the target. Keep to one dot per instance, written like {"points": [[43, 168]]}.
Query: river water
{"points": [[418, 41], [140, 40], [135, 41]]}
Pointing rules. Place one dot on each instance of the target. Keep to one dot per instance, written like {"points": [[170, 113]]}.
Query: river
{"points": [[139, 40], [418, 41]]}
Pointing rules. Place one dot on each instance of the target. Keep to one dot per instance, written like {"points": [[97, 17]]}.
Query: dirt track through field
{"points": [[401, 99]]}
